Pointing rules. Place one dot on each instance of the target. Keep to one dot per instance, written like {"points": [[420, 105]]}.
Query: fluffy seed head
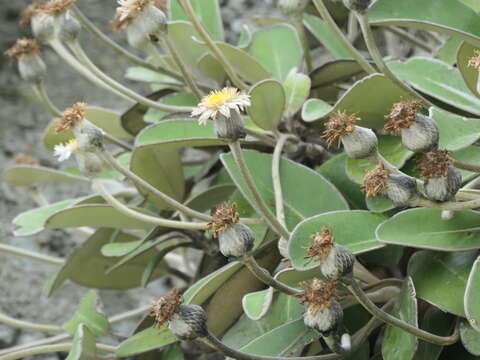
{"points": [[474, 61], [375, 181], [340, 124], [322, 244], [71, 116], [224, 216], [128, 10], [23, 48], [434, 164], [318, 294], [402, 115], [165, 307]]}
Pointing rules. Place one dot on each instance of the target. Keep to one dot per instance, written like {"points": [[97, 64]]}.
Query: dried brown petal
{"points": [[129, 10], [57, 7], [165, 307], [71, 116], [29, 12], [223, 217], [318, 294], [321, 245], [23, 48], [339, 125], [375, 181], [402, 115], [24, 159], [434, 164]]}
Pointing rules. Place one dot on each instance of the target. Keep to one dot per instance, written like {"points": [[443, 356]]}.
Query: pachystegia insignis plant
{"points": [[314, 197]]}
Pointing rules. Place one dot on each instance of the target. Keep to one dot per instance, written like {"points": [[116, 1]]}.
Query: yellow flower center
{"points": [[219, 98], [72, 143]]}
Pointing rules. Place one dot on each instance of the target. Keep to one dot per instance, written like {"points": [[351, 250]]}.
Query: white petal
{"points": [[225, 111], [202, 120]]}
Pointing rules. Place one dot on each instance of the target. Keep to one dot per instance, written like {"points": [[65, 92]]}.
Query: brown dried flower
{"points": [[29, 12], [318, 294], [24, 159], [223, 217], [375, 181], [474, 61], [57, 7], [165, 307], [340, 124], [402, 115], [23, 48], [321, 245], [434, 164], [71, 116], [129, 10]]}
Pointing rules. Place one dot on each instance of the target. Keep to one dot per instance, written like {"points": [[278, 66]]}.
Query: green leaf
{"points": [[440, 278], [379, 204], [358, 236], [208, 199], [33, 221], [472, 296], [138, 73], [335, 71], [425, 228], [470, 338], [473, 4], [86, 265], [256, 304], [26, 175], [179, 99], [87, 314], [358, 99], [211, 67], [390, 147], [399, 344], [95, 215], [456, 132], [268, 104], [268, 47], [448, 51], [314, 109], [208, 12], [470, 154], [182, 35], [83, 345], [325, 35], [469, 74], [297, 182], [444, 16], [438, 80], [120, 249], [146, 340], [297, 89]]}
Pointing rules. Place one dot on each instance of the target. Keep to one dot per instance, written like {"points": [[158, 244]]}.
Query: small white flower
{"points": [[222, 101], [64, 151]]}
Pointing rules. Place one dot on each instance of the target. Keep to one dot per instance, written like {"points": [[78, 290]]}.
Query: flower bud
{"points": [[136, 37], [189, 323], [360, 6], [69, 27], [293, 7], [43, 27], [442, 180], [359, 142], [230, 128], [153, 20], [88, 163], [89, 137], [30, 65]]}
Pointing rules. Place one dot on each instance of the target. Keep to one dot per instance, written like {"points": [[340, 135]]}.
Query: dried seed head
{"points": [[444, 188], [376, 181], [402, 115], [23, 48], [189, 323], [24, 159], [434, 164], [224, 216], [474, 61], [29, 12], [56, 7], [236, 241], [339, 125], [71, 117], [165, 307], [322, 244], [128, 10], [318, 294]]}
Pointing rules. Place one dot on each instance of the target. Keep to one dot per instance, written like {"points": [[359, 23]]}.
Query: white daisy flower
{"points": [[222, 101], [64, 151]]}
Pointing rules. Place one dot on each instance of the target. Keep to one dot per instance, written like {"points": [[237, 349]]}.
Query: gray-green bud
{"points": [[338, 263], [360, 143], [293, 7], [360, 6], [422, 135], [189, 322], [231, 127], [236, 241], [444, 188]]}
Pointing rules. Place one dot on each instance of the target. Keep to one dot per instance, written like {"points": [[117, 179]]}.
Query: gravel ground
{"points": [[22, 123]]}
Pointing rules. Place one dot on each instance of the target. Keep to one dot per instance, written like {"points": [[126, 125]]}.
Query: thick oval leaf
{"points": [[314, 109], [335, 71], [182, 34], [268, 47], [398, 344], [255, 305], [448, 51], [208, 12], [425, 228], [95, 215], [440, 278], [469, 73], [379, 204], [470, 338], [445, 16], [297, 182], [86, 266], [439, 80], [146, 340], [83, 345], [268, 104], [26, 175], [88, 315], [456, 132], [211, 197], [472, 296], [179, 99], [297, 89], [211, 67], [358, 99], [358, 236]]}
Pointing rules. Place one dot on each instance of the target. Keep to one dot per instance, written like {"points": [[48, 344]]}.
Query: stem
{"points": [[297, 20], [389, 319], [21, 324], [378, 296], [261, 136], [277, 185], [448, 205], [181, 65], [122, 208], [322, 9], [87, 24], [465, 166], [362, 273], [264, 276], [212, 46], [377, 57], [352, 27], [39, 89], [408, 37], [264, 211], [50, 349], [31, 254], [117, 87]]}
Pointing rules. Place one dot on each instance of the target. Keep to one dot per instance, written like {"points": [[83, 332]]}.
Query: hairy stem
{"points": [[45, 349], [297, 20], [21, 324], [465, 166], [277, 185], [409, 37], [30, 254], [40, 90]]}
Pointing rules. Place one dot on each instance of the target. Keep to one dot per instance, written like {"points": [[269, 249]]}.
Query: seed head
{"points": [[71, 116], [224, 216], [29, 12], [56, 7], [474, 61], [340, 124], [23, 48], [318, 294], [402, 115], [165, 307], [434, 164], [321, 245], [128, 10], [375, 181]]}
